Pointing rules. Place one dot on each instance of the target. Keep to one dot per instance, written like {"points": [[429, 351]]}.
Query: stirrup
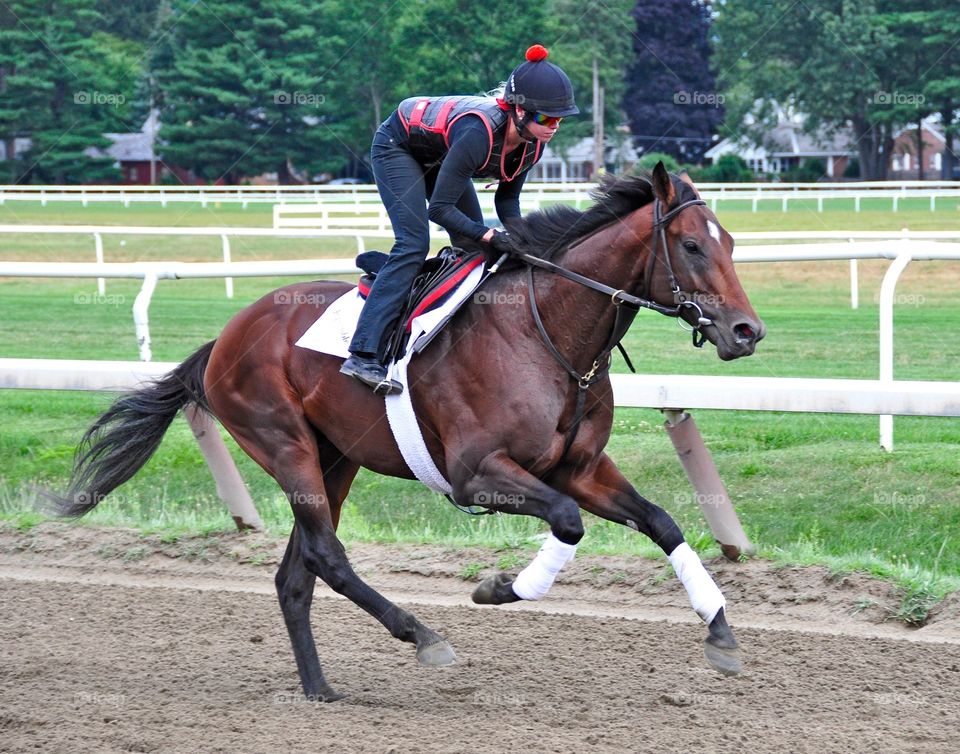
{"points": [[386, 386]]}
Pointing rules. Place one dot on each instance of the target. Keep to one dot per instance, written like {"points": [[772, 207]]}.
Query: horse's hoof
{"points": [[495, 590], [437, 655], [725, 660], [327, 694], [720, 647]]}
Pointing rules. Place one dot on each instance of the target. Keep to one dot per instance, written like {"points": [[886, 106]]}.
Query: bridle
{"points": [[627, 306]]}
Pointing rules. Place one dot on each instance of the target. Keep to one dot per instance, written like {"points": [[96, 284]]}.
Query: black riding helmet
{"points": [[540, 87]]}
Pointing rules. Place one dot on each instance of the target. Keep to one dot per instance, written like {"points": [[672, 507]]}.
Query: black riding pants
{"points": [[405, 187]]}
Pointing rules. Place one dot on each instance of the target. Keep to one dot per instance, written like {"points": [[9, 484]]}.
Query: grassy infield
{"points": [[809, 488]]}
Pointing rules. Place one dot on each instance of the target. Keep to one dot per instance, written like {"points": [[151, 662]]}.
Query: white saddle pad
{"points": [[331, 334]]}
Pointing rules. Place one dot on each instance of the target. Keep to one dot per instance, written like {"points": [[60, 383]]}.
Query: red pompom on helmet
{"points": [[539, 86], [536, 53]]}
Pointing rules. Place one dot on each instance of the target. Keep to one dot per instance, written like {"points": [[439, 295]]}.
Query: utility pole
{"points": [[598, 157]]}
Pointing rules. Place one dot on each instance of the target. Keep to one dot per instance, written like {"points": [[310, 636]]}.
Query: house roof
{"points": [[930, 125], [582, 151], [787, 139], [135, 147]]}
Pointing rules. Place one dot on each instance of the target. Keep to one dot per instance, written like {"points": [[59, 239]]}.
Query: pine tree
{"points": [[53, 91], [242, 92], [672, 102]]}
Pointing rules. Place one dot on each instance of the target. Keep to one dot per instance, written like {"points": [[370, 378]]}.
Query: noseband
{"points": [[626, 304]]}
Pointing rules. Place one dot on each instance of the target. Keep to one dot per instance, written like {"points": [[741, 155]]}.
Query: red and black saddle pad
{"points": [[438, 278]]}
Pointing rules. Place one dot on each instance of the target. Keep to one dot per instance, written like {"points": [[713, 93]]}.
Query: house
{"points": [[19, 146], [904, 164], [135, 155], [576, 164], [787, 146]]}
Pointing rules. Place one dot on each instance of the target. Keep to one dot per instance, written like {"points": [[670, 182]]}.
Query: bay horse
{"points": [[512, 398]]}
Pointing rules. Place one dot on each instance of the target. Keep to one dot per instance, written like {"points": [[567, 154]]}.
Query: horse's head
{"points": [[695, 270]]}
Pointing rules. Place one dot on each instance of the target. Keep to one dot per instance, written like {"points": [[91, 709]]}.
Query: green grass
{"points": [[810, 488]]}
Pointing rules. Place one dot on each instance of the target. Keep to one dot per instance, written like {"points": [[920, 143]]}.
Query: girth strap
{"points": [[625, 314]]}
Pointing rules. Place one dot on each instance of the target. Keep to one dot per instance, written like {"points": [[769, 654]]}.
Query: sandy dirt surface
{"points": [[110, 641]]}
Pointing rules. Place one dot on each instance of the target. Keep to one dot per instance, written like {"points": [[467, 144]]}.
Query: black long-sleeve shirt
{"points": [[469, 147]]}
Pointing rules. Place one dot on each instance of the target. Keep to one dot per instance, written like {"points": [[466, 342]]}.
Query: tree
{"points": [[929, 34], [241, 89], [56, 90], [672, 103], [940, 81], [836, 62], [589, 38], [130, 19]]}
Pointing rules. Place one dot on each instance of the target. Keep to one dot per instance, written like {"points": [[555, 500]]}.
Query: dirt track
{"points": [[181, 648]]}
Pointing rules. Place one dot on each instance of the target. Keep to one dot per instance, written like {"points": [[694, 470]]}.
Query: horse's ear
{"points": [[662, 185], [685, 177]]}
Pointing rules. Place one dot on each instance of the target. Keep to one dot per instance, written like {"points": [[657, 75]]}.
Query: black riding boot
{"points": [[371, 372]]}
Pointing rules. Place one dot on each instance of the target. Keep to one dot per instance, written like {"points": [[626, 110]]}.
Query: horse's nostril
{"points": [[744, 331]]}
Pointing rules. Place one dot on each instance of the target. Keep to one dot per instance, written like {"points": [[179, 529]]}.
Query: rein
{"points": [[627, 307]]}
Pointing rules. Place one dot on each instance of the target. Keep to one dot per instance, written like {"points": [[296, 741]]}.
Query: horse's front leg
{"points": [[601, 489], [499, 483]]}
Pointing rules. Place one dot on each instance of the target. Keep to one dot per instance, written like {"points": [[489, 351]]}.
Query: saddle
{"points": [[437, 279]]}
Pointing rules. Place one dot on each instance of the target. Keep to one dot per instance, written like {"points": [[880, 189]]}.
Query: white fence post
{"points": [[230, 486], [854, 285], [708, 487], [228, 282], [887, 289], [101, 282], [141, 319]]}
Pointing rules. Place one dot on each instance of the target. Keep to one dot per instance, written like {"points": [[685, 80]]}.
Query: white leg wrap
{"points": [[534, 581], [705, 597]]}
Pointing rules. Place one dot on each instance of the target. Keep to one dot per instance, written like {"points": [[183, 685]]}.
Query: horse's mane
{"points": [[544, 232]]}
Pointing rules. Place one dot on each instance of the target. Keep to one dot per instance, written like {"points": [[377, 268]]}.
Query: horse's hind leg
{"points": [[281, 441], [295, 591], [295, 582], [605, 492]]}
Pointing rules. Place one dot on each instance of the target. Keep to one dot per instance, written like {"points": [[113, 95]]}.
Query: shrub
{"points": [[649, 162]]}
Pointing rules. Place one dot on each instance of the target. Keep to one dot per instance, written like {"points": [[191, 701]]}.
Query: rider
{"points": [[429, 150]]}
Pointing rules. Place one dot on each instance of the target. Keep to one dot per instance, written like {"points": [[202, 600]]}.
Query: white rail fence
{"points": [[577, 193], [900, 251], [304, 225]]}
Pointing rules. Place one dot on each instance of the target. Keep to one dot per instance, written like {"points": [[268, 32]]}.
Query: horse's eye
{"points": [[691, 246]]}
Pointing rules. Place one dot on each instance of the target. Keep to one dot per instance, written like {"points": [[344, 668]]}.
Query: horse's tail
{"points": [[122, 440]]}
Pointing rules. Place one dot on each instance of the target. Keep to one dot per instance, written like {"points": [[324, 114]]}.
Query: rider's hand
{"points": [[501, 242]]}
